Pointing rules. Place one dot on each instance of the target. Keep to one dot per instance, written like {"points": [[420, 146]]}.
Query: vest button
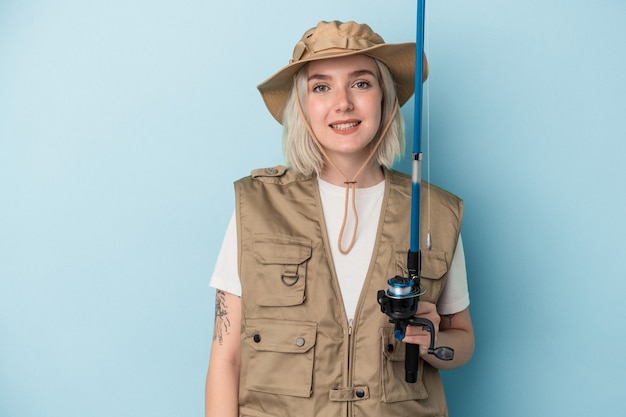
{"points": [[300, 342], [256, 338], [390, 348], [360, 393], [271, 171]]}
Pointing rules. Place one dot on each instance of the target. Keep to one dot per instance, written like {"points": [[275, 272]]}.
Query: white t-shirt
{"points": [[351, 268]]}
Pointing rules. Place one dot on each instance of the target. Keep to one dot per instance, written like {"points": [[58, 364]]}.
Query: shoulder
{"points": [[278, 174], [442, 194], [398, 176], [435, 193]]}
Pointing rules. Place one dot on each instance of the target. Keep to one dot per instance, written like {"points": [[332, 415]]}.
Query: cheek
{"points": [[378, 113], [315, 112]]}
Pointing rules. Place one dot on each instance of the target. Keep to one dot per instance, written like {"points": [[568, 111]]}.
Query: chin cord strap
{"points": [[350, 184]]}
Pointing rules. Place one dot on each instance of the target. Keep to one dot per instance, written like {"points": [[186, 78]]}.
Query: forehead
{"points": [[346, 64]]}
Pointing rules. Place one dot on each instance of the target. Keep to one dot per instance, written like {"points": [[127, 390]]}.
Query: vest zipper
{"points": [[349, 404]]}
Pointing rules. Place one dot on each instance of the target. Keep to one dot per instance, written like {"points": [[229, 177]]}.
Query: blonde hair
{"points": [[301, 152]]}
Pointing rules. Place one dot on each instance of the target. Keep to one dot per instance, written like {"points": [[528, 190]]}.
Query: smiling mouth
{"points": [[345, 126]]}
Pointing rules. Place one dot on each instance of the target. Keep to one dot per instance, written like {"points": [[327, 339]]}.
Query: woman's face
{"points": [[344, 104]]}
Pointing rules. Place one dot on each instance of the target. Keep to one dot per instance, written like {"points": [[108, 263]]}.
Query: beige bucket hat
{"points": [[337, 39]]}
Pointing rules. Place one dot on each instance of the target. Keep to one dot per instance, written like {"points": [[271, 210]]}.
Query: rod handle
{"points": [[411, 359]]}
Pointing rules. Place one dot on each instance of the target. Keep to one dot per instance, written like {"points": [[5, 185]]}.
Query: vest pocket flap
{"points": [[278, 356], [280, 336], [280, 249], [434, 264]]}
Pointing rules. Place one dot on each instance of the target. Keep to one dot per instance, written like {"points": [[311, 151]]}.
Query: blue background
{"points": [[124, 123]]}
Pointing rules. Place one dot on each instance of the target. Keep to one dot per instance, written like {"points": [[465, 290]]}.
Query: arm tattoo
{"points": [[222, 323], [449, 318]]}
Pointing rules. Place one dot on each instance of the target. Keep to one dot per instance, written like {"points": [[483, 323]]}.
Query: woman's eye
{"points": [[320, 88], [362, 84]]}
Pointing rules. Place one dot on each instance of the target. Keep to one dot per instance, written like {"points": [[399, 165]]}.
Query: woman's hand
{"points": [[453, 330], [416, 334]]}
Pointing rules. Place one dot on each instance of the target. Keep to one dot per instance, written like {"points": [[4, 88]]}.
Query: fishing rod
{"points": [[400, 300]]}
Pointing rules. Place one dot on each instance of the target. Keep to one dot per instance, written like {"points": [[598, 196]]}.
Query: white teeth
{"points": [[345, 126]]}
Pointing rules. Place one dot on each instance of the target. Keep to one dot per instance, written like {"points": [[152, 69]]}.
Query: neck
{"points": [[371, 175]]}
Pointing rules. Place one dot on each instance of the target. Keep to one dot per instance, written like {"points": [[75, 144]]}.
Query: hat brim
{"points": [[398, 57]]}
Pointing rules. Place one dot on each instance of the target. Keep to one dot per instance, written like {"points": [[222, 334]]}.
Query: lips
{"points": [[345, 125]]}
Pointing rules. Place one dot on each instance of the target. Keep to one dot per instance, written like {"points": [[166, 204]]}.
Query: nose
{"points": [[344, 100]]}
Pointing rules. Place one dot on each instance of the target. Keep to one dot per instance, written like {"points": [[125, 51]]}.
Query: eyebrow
{"points": [[354, 74]]}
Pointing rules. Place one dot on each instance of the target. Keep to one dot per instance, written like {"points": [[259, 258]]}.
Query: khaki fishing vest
{"points": [[299, 355]]}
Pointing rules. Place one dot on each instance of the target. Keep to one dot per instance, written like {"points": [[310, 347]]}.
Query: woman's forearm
{"points": [[222, 382], [222, 389]]}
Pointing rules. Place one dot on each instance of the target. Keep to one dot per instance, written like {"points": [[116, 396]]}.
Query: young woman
{"points": [[298, 330]]}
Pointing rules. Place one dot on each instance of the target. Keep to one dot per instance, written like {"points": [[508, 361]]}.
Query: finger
{"points": [[422, 342], [424, 307]]}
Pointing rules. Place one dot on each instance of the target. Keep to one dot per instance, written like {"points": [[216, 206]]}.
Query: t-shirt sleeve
{"points": [[455, 295], [226, 274]]}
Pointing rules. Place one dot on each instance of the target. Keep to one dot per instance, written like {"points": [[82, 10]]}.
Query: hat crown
{"points": [[335, 37]]}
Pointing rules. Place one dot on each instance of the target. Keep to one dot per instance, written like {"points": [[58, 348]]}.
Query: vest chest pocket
{"points": [[281, 354], [281, 269], [434, 267]]}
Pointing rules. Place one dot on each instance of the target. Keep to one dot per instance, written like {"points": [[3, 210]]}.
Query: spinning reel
{"points": [[399, 302]]}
